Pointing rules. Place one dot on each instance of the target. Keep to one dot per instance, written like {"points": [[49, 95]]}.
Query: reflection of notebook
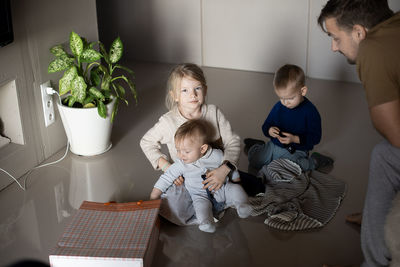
{"points": [[109, 234]]}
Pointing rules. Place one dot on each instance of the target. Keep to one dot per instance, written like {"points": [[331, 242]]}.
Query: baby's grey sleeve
{"points": [[168, 177]]}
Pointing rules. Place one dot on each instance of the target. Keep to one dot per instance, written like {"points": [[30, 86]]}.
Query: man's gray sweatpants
{"points": [[383, 185]]}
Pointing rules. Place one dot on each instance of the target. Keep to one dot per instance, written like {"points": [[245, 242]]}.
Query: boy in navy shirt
{"points": [[293, 125]]}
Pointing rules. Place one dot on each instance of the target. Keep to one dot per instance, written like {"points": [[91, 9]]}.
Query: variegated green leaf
{"points": [[102, 109], [78, 89], [90, 55], [89, 105], [116, 50], [84, 43], [71, 73], [58, 50], [121, 90], [71, 101], [60, 63], [115, 110], [66, 100], [76, 44], [104, 69], [105, 83], [96, 93], [95, 77], [107, 94], [104, 53], [89, 99], [65, 81], [132, 87], [64, 86], [91, 45]]}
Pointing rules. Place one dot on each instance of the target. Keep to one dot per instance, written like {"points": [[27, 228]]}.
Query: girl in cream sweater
{"points": [[185, 99]]}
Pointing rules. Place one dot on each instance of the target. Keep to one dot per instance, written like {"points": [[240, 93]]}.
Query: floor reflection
{"points": [[92, 179], [188, 246]]}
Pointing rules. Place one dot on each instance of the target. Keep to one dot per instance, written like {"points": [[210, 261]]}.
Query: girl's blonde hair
{"points": [[188, 70]]}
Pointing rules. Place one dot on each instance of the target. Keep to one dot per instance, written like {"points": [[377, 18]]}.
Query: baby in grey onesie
{"points": [[196, 157]]}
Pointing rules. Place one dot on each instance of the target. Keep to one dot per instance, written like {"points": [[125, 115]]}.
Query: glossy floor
{"points": [[31, 221]]}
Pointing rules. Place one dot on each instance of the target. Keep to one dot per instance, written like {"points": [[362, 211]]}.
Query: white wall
{"points": [[155, 30], [255, 35], [38, 25], [43, 32]]}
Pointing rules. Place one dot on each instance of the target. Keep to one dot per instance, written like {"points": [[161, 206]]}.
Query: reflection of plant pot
{"points": [[92, 179], [87, 132]]}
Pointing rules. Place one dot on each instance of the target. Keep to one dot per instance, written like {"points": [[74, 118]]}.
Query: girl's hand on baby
{"points": [[216, 178], [179, 181]]}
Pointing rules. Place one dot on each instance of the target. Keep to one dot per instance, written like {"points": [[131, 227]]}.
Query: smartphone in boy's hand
{"points": [[281, 134]]}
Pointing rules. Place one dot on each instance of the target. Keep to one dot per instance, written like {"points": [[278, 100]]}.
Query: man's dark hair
{"points": [[348, 13]]}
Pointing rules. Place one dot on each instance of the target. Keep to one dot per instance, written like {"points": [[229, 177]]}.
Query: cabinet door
{"points": [[255, 35]]}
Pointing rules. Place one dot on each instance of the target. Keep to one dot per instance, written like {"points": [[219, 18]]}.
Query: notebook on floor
{"points": [[109, 234]]}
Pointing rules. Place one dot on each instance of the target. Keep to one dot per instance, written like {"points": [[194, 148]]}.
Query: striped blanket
{"points": [[296, 200]]}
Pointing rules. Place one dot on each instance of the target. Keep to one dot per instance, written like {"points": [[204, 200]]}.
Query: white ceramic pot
{"points": [[88, 133]]}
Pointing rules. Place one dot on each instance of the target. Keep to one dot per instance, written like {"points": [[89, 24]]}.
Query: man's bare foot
{"points": [[355, 218]]}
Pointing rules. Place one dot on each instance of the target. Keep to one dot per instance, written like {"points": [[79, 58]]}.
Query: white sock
{"points": [[244, 210], [208, 227]]}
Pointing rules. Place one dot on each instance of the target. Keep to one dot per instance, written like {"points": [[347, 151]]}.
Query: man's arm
{"points": [[386, 119]]}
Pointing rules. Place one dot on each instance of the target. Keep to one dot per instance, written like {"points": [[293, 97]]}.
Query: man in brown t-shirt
{"points": [[367, 33]]}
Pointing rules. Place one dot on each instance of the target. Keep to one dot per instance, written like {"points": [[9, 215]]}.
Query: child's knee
{"points": [[258, 156], [235, 195]]}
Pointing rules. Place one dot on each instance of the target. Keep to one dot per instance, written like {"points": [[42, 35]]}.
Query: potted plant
{"points": [[92, 86]]}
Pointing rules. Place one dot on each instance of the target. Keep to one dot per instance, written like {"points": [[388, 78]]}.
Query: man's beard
{"points": [[351, 62]]}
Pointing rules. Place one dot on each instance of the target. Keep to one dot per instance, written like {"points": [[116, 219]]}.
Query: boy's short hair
{"points": [[189, 70], [289, 75], [348, 13], [196, 128]]}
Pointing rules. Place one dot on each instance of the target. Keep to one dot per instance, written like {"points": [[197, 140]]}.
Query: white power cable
{"points": [[49, 91], [6, 172], [37, 167]]}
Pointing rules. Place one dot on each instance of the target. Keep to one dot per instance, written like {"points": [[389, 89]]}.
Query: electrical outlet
{"points": [[47, 104]]}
